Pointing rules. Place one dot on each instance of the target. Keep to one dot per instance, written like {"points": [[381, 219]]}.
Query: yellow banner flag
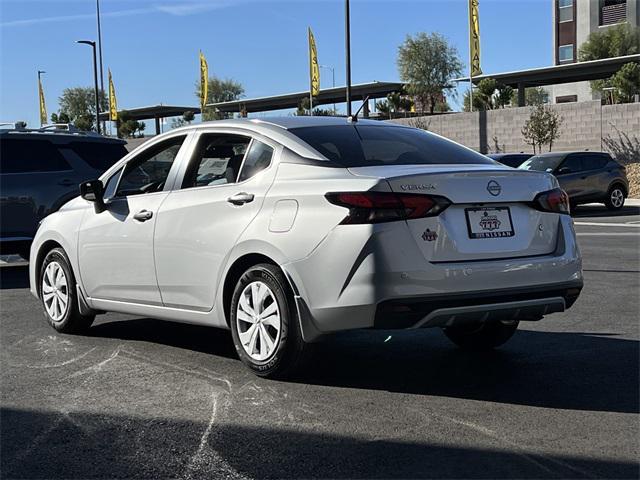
{"points": [[204, 81], [43, 106], [474, 38], [113, 104], [314, 68]]}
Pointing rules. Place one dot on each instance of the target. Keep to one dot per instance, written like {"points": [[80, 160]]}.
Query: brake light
{"points": [[555, 200], [378, 207]]}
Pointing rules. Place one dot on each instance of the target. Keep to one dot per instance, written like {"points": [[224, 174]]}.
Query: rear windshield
{"points": [[99, 155], [364, 146]]}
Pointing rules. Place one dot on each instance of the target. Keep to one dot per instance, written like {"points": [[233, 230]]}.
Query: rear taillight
{"points": [[555, 200], [378, 207]]}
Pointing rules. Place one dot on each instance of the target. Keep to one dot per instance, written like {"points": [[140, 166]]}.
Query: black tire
{"points": [[615, 193], [72, 321], [291, 352], [485, 336]]}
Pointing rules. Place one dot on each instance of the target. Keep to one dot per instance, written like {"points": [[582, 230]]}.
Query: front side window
{"points": [[565, 53], [111, 184], [216, 161], [23, 155], [258, 158], [542, 163], [368, 145], [573, 164], [148, 172]]}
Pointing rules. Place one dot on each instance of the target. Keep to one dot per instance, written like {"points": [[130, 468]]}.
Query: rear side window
{"points": [[216, 161], [364, 146], [258, 158], [99, 155], [19, 155], [594, 162]]}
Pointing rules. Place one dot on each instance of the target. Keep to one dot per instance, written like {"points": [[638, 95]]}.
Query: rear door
{"points": [[572, 177], [219, 194], [35, 179], [597, 181]]}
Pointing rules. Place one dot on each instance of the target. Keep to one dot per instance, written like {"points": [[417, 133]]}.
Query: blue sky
{"points": [[152, 46]]}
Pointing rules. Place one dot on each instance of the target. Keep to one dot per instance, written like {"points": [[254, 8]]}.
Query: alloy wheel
{"points": [[55, 291], [258, 321], [617, 198]]}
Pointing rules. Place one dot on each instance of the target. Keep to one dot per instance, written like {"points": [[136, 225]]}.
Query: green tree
{"points": [[78, 104], [615, 41], [532, 96], [626, 83], [60, 118], [220, 90], [542, 128], [489, 94], [427, 63], [128, 127]]}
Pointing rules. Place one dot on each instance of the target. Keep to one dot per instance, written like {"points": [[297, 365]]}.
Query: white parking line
{"points": [[603, 224], [605, 234]]}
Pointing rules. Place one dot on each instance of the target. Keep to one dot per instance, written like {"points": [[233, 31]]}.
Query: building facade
{"points": [[573, 22]]}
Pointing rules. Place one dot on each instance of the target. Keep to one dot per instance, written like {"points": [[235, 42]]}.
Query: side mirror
{"points": [[563, 170], [93, 191]]}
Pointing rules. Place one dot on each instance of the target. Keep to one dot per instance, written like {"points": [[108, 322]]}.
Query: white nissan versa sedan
{"points": [[289, 229]]}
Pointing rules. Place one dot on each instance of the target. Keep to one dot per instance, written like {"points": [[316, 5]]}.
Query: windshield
{"points": [[547, 163], [367, 145]]}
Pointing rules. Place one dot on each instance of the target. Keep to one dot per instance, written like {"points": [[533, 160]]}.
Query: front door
{"points": [[199, 224], [572, 178], [115, 251]]}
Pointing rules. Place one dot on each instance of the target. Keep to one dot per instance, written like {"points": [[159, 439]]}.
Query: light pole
{"points": [[95, 80], [333, 77], [605, 89], [347, 39], [100, 51]]}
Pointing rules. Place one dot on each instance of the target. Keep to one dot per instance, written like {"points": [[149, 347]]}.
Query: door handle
{"points": [[583, 178], [66, 182], [241, 198], [143, 215]]}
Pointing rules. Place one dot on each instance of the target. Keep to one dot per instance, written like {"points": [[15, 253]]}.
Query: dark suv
{"points": [[586, 176], [40, 170]]}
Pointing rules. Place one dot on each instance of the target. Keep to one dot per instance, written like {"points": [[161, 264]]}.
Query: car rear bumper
{"points": [[351, 282]]}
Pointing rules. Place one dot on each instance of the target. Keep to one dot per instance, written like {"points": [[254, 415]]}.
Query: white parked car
{"points": [[289, 229]]}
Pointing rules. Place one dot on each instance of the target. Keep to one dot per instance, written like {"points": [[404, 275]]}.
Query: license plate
{"points": [[489, 222]]}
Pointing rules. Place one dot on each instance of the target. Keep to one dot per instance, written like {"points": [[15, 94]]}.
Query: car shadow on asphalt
{"points": [[602, 211], [567, 370], [14, 276], [214, 341]]}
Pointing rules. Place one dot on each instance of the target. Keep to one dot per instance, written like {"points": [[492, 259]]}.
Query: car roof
{"points": [[288, 123], [60, 137], [515, 154], [565, 153]]}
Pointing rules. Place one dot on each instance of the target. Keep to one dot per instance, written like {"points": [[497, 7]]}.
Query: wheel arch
{"points": [[43, 250], [619, 182], [235, 271]]}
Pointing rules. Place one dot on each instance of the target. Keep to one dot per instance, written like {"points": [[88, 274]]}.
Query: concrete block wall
{"points": [[581, 127]]}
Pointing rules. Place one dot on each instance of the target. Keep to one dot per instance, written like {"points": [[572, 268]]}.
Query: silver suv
{"points": [[289, 229], [40, 170]]}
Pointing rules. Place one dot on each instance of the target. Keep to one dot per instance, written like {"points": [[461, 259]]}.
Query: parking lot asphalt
{"points": [[138, 397]]}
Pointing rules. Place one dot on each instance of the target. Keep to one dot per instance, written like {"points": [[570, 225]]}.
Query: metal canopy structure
{"points": [[155, 112], [291, 100], [557, 74]]}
